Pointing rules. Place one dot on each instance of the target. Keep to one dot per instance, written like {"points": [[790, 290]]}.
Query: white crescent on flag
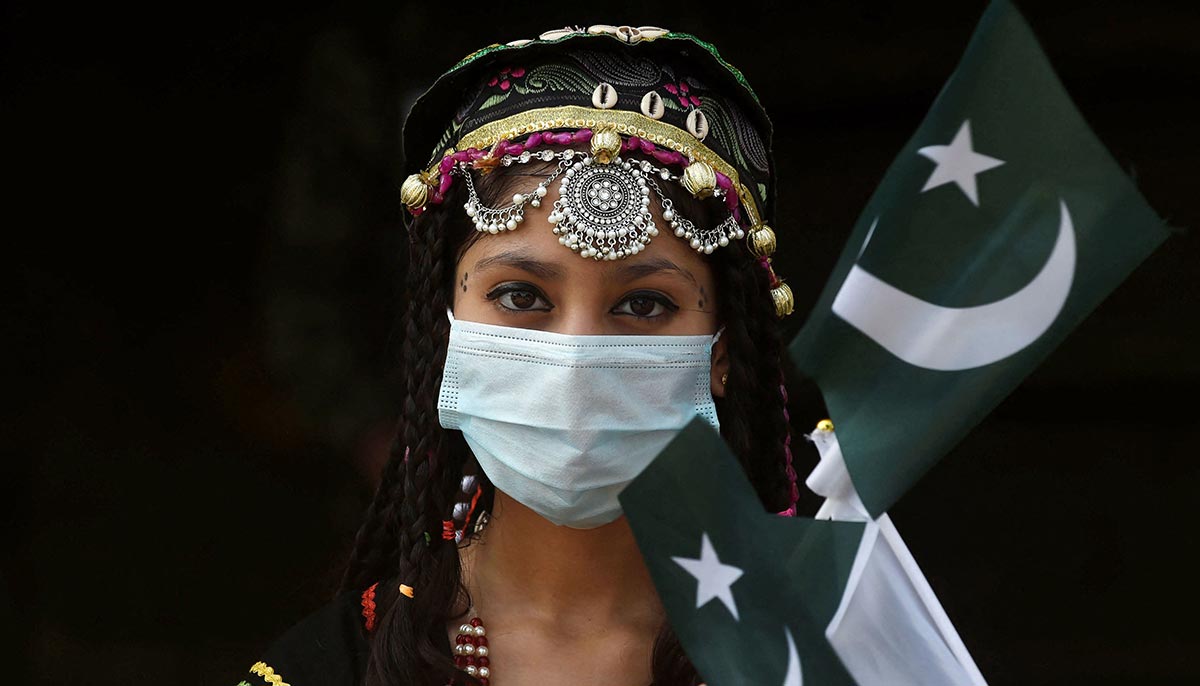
{"points": [[932, 336], [794, 676]]}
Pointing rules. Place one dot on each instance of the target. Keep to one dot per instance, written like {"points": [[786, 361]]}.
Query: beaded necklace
{"points": [[471, 650]]}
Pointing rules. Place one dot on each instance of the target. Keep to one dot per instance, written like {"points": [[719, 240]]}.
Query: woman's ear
{"points": [[720, 367]]}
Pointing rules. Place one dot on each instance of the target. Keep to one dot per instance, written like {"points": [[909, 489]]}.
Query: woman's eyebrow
{"points": [[518, 259], [652, 265]]}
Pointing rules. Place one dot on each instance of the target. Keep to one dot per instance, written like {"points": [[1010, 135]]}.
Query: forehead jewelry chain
{"points": [[603, 210]]}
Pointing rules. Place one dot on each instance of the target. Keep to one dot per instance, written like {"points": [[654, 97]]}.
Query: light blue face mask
{"points": [[561, 422]]}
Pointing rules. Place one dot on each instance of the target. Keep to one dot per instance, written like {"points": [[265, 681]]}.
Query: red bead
{"points": [[583, 135], [482, 662], [476, 621], [484, 682], [460, 661], [470, 659], [481, 641], [460, 639], [533, 141]]}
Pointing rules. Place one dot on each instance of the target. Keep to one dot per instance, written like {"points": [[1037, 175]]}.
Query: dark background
{"points": [[200, 362]]}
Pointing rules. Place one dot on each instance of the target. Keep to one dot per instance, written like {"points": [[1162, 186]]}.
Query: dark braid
{"points": [[401, 540]]}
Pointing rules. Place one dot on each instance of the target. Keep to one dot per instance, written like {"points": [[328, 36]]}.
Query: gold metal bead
{"points": [[700, 179], [414, 192], [606, 143], [762, 240], [784, 302], [825, 425]]}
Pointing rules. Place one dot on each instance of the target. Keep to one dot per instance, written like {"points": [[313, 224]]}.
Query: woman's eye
{"points": [[646, 305], [519, 298]]}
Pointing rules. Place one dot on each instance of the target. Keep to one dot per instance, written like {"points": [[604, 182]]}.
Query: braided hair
{"points": [[401, 538]]}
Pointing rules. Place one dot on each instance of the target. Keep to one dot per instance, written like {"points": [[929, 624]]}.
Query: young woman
{"points": [[589, 269]]}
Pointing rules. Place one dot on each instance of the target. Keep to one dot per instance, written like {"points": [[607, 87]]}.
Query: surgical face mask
{"points": [[562, 422]]}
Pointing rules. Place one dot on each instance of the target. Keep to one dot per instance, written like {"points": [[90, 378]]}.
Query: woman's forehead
{"points": [[534, 247]]}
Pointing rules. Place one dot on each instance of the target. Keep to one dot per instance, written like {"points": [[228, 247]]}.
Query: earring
{"points": [[724, 378]]}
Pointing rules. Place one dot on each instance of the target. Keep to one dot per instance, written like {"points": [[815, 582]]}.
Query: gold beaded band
{"points": [[266, 672]]}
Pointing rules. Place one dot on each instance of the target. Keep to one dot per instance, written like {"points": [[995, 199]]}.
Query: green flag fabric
{"points": [[1000, 225], [749, 594]]}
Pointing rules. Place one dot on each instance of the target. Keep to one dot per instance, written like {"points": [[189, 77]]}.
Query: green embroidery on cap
{"points": [[676, 35], [737, 73]]}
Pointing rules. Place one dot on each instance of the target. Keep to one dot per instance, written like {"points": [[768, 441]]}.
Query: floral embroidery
{"points": [[243, 682], [265, 671], [503, 79], [368, 605], [680, 91]]}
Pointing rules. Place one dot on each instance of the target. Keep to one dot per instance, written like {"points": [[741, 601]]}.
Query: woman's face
{"points": [[527, 279]]}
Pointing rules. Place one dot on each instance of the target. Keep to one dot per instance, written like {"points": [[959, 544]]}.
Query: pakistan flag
{"points": [[1001, 224]]}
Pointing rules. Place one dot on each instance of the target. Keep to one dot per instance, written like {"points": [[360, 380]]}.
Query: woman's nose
{"points": [[579, 319]]}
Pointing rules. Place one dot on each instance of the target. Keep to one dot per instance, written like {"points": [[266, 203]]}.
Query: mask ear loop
{"points": [[449, 314]]}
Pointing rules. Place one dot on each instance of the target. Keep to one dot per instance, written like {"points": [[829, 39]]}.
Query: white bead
{"points": [[464, 629], [518, 199], [484, 672], [668, 215], [708, 249], [468, 649], [535, 202], [723, 241], [472, 670], [481, 651], [541, 191], [510, 224], [679, 232], [480, 631], [470, 210], [695, 243]]}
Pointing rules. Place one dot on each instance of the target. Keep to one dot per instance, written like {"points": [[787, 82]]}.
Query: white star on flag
{"points": [[714, 578], [958, 163]]}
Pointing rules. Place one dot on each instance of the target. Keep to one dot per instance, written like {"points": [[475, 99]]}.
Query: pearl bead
{"points": [[468, 649], [472, 670], [481, 651], [695, 243], [485, 672], [518, 199], [479, 630], [541, 191], [465, 628], [510, 224], [668, 215]]}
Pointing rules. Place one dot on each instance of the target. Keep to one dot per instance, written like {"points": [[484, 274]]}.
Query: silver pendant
{"points": [[603, 210]]}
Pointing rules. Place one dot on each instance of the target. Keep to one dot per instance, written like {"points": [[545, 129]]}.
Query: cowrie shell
{"points": [[557, 33], [697, 124], [652, 105], [604, 97]]}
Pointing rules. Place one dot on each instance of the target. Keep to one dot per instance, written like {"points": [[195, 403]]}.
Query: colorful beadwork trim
{"points": [[266, 672], [577, 117], [368, 605]]}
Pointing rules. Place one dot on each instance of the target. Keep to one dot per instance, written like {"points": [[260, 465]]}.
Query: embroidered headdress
{"points": [[651, 106]]}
